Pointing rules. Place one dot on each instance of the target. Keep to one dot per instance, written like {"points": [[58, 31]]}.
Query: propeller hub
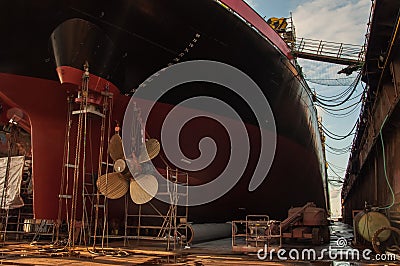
{"points": [[120, 166]]}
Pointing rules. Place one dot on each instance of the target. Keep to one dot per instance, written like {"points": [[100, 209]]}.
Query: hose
{"points": [[375, 240], [384, 168]]}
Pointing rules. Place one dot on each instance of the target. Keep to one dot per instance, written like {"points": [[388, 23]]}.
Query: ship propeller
{"points": [[150, 150], [143, 186], [115, 148], [113, 185]]}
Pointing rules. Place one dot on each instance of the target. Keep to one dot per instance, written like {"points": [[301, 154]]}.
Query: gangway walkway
{"points": [[331, 52]]}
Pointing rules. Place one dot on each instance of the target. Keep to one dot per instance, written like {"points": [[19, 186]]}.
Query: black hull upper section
{"points": [[148, 35], [77, 41]]}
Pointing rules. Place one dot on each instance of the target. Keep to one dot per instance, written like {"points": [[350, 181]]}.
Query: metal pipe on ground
{"points": [[208, 232]]}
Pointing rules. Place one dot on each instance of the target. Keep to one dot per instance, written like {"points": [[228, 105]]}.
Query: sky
{"points": [[328, 20]]}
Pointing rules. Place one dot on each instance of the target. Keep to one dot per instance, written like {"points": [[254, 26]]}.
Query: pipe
{"points": [[206, 232]]}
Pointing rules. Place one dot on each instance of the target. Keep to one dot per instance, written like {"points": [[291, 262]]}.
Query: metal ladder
{"points": [[68, 200]]}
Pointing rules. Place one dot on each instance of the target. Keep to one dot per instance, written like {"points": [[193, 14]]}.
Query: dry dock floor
{"points": [[210, 253]]}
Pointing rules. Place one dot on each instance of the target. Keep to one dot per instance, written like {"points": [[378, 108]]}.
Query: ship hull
{"points": [[150, 35]]}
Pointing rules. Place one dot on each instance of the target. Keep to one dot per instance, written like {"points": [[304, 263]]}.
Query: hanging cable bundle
{"points": [[353, 88], [335, 179], [339, 151], [336, 136], [340, 96], [342, 115]]}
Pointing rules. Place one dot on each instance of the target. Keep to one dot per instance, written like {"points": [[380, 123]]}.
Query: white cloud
{"points": [[252, 3], [332, 20]]}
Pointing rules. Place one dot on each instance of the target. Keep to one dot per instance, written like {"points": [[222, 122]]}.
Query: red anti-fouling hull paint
{"points": [[284, 186]]}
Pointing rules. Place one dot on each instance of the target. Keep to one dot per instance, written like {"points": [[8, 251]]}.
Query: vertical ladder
{"points": [[100, 201], [69, 201]]}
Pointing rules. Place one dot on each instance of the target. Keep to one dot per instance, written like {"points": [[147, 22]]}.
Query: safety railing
{"points": [[325, 51]]}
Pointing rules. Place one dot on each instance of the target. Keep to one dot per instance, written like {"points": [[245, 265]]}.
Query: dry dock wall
{"points": [[366, 181]]}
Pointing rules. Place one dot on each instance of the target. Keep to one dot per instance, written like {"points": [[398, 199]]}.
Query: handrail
{"points": [[328, 51]]}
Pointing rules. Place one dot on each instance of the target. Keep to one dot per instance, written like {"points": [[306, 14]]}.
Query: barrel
{"points": [[367, 223]]}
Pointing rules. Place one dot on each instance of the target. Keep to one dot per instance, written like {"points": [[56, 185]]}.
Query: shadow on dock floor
{"points": [[217, 252]]}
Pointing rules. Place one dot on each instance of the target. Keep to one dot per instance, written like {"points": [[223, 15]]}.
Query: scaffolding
{"points": [[80, 224], [256, 233], [19, 222], [163, 222]]}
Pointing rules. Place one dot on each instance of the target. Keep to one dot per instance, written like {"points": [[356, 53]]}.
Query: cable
{"points": [[339, 136], [359, 97], [334, 153], [347, 98], [337, 167], [341, 109], [331, 82], [384, 168], [338, 152], [339, 149], [335, 97], [340, 178], [335, 183], [336, 138], [342, 115], [338, 96], [376, 243]]}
